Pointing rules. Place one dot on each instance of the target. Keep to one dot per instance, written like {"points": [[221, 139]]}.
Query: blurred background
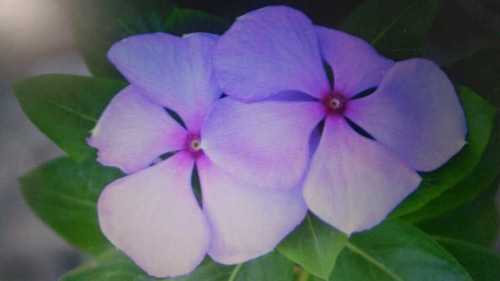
{"points": [[36, 37]]}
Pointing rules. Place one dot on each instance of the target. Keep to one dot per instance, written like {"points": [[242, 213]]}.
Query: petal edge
{"points": [[154, 218], [416, 113], [354, 182], [264, 144], [132, 132], [246, 221], [267, 51]]}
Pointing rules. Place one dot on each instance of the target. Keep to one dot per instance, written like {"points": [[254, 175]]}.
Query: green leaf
{"points": [[315, 246], [481, 263], [183, 21], [396, 252], [98, 24], [114, 266], [272, 267], [397, 28], [66, 108], [64, 195], [479, 216], [480, 122]]}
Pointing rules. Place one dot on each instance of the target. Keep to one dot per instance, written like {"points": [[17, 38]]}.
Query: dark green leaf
{"points": [[64, 195], [397, 28], [481, 72], [183, 21], [481, 263], [315, 246], [98, 24], [113, 266], [457, 34], [272, 267], [396, 252], [480, 121], [66, 108], [320, 12], [475, 222]]}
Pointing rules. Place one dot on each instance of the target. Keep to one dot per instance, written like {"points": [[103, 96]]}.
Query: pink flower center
{"points": [[335, 104], [193, 145]]}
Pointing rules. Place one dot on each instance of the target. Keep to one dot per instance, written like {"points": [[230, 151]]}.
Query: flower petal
{"points": [[263, 144], [155, 219], [356, 65], [132, 132], [354, 182], [416, 113], [246, 221], [175, 72], [267, 51]]}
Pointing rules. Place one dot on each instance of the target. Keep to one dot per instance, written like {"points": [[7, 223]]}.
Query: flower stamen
{"points": [[193, 145], [335, 103], [196, 144]]}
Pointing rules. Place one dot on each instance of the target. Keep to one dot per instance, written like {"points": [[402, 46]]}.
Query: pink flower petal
{"points": [[356, 65], [354, 182], [267, 51], [174, 72], [132, 132], [155, 219], [246, 221], [263, 144], [416, 113]]}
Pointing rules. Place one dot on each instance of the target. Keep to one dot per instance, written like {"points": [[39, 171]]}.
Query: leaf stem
{"points": [[303, 276], [235, 272]]}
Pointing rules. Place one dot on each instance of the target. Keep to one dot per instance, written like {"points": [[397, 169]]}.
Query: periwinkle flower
{"points": [[152, 214], [413, 119]]}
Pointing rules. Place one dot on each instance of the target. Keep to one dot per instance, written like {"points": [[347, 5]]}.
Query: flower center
{"points": [[193, 145], [335, 103], [196, 144]]}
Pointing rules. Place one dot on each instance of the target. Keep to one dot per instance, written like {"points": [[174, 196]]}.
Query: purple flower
{"points": [[152, 214], [276, 55]]}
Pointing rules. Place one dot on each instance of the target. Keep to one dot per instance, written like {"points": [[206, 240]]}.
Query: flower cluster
{"points": [[285, 139]]}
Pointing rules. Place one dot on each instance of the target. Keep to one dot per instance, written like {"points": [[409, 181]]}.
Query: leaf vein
{"points": [[387, 28], [373, 261], [72, 111]]}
